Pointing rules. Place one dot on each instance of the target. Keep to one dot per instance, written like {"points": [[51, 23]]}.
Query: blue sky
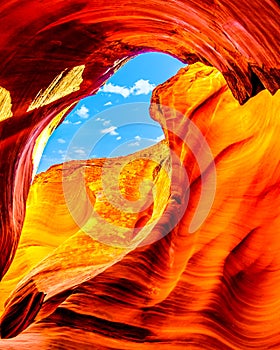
{"points": [[115, 121]]}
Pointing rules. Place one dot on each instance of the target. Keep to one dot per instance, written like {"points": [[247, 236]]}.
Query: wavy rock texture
{"points": [[214, 289], [70, 255], [37, 49]]}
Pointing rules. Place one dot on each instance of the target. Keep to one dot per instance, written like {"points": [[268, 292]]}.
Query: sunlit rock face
{"points": [[176, 283], [64, 252], [215, 288]]}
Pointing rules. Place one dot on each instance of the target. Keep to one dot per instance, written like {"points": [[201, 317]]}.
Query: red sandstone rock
{"points": [[214, 290]]}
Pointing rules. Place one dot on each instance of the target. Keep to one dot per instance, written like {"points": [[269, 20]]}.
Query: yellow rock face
{"points": [[63, 84], [5, 104], [50, 229]]}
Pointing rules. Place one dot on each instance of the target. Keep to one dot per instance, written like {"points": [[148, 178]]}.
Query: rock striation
{"points": [[215, 288], [198, 266]]}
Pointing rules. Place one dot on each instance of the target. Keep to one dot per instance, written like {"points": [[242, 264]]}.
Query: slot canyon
{"points": [[198, 265]]}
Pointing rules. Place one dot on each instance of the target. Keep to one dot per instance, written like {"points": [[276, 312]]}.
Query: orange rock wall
{"points": [[38, 52], [216, 288]]}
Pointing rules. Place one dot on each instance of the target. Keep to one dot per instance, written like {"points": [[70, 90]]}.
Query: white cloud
{"points": [[80, 151], [106, 122], [138, 138], [110, 130], [109, 103], [68, 122], [116, 89], [118, 138], [99, 119], [61, 141], [143, 87], [159, 138], [140, 87], [83, 112], [62, 154], [134, 144]]}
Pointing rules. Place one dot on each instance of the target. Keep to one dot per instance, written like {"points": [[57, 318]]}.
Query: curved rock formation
{"points": [[239, 39], [63, 253], [214, 289]]}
